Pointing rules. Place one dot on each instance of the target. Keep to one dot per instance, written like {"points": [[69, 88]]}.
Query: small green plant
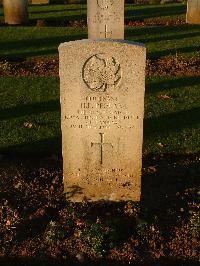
{"points": [[54, 232], [94, 236], [141, 226], [5, 65], [195, 224]]}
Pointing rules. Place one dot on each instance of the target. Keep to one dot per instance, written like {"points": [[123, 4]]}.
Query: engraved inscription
{"points": [[111, 18], [108, 175], [101, 72], [103, 113], [104, 4], [101, 144]]}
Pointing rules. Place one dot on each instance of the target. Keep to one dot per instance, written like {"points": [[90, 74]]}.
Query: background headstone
{"points": [[193, 12], [15, 11], [39, 2], [102, 102], [105, 19]]}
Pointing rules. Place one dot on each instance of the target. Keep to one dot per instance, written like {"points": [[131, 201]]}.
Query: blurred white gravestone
{"points": [[193, 12], [105, 19], [102, 86], [39, 2], [15, 11]]}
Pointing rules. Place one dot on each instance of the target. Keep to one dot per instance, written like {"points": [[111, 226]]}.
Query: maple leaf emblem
{"points": [[104, 4], [101, 72]]}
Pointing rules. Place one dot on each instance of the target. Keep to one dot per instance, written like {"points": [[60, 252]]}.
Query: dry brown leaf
{"points": [[161, 145], [8, 223], [28, 125], [151, 169], [164, 97]]}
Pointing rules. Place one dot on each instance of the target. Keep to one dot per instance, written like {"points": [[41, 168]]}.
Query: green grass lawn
{"points": [[24, 42], [170, 125], [173, 123]]}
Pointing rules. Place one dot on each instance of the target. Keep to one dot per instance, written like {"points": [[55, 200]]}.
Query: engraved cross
{"points": [[106, 32], [101, 144]]}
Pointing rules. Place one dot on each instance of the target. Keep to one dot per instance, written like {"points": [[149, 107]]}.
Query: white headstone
{"points": [[193, 12], [105, 19], [102, 105], [39, 2], [15, 11]]}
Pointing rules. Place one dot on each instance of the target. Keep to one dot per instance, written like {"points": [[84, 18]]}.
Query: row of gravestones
{"points": [[102, 85], [16, 12]]}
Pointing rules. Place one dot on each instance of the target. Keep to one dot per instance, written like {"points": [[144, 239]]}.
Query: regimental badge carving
{"points": [[101, 72], [104, 4]]}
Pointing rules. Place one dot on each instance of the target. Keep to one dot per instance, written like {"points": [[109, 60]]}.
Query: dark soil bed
{"points": [[39, 227], [155, 22], [164, 66], [83, 22]]}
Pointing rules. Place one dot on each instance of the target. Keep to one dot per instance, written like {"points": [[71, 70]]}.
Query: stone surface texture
{"points": [[105, 19], [15, 11], [102, 105], [193, 12]]}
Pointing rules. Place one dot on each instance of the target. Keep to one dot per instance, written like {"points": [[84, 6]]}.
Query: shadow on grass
{"points": [[137, 31], [35, 149], [154, 86], [49, 10], [63, 18], [178, 34], [29, 109], [167, 38], [37, 47], [48, 45], [175, 121], [174, 51], [21, 56], [152, 12], [60, 20], [136, 14], [154, 126]]}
